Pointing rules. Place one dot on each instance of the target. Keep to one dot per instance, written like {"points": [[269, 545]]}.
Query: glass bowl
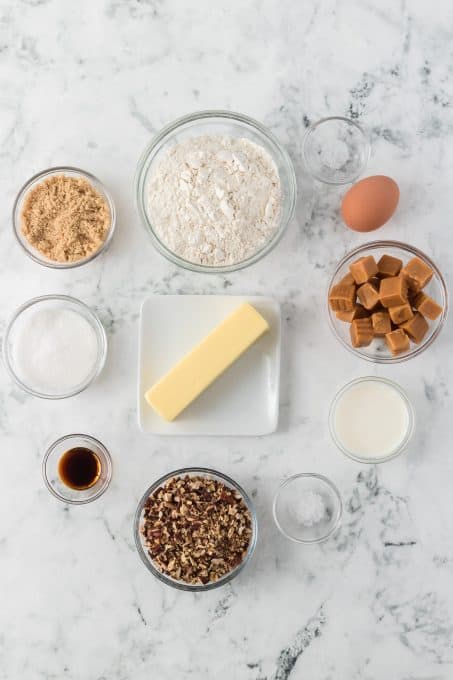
{"points": [[50, 469], [141, 548], [32, 252], [50, 302], [335, 150], [291, 501], [402, 444], [215, 122], [378, 352]]}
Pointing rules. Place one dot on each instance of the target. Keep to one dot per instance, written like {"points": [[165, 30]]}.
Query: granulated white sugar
{"points": [[54, 351]]}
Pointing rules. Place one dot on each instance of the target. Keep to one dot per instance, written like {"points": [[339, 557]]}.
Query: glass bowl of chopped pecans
{"points": [[195, 529]]}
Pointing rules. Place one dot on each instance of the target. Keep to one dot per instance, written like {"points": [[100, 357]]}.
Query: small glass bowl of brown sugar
{"points": [[63, 217]]}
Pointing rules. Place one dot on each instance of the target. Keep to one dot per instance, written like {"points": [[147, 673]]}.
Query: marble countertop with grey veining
{"points": [[88, 84]]}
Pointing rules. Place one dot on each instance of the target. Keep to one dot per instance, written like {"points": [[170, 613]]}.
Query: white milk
{"points": [[371, 419]]}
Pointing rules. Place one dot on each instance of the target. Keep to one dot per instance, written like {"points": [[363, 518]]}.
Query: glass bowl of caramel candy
{"points": [[387, 301]]}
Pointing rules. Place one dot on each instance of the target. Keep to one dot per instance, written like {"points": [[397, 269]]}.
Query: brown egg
{"points": [[370, 203]]}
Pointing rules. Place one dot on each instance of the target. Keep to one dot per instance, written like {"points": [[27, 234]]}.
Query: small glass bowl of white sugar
{"points": [[307, 508], [55, 346]]}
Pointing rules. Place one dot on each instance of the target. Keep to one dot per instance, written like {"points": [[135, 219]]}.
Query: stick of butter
{"points": [[206, 362]]}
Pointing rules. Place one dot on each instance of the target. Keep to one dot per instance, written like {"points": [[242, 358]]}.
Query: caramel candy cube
{"points": [[417, 274], [342, 298], [361, 332], [427, 306], [416, 328], [401, 313], [411, 295], [347, 280], [381, 323], [397, 341], [368, 295], [364, 269], [393, 291], [389, 266], [358, 312]]}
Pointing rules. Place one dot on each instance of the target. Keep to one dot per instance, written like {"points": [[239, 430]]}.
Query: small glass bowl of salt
{"points": [[54, 346], [307, 508], [335, 150]]}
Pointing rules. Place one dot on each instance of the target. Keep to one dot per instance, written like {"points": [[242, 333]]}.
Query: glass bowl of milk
{"points": [[371, 419]]}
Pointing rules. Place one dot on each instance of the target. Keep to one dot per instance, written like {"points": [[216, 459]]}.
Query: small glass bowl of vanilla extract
{"points": [[77, 469]]}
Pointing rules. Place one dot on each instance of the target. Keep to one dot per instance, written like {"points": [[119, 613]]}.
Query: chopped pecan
{"points": [[196, 529]]}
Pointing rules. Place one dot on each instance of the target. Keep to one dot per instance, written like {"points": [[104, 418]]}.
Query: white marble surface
{"points": [[88, 83]]}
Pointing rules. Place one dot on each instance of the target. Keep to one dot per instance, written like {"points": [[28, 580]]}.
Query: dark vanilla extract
{"points": [[79, 468]]}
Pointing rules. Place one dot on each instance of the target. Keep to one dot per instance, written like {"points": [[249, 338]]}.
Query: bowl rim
{"points": [[101, 489], [142, 172], [416, 349], [410, 428], [336, 493], [100, 333], [180, 585], [43, 174], [367, 145]]}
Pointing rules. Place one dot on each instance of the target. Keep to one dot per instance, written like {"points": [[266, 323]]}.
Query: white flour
{"points": [[215, 200]]}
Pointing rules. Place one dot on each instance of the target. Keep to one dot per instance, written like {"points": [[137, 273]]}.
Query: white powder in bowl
{"points": [[310, 509], [214, 199], [54, 350]]}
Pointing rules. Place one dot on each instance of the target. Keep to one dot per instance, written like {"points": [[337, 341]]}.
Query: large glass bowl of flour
{"points": [[216, 191]]}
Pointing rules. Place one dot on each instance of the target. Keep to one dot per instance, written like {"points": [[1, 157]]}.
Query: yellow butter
{"points": [[206, 362]]}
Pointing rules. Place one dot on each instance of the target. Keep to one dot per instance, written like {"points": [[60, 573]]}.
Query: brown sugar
{"points": [[65, 218]]}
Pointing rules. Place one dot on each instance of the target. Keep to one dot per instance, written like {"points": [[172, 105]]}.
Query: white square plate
{"points": [[244, 400]]}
